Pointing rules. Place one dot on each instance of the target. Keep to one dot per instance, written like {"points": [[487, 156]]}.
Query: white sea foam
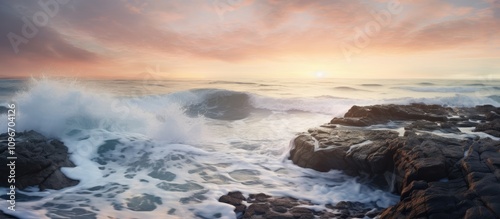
{"points": [[185, 147]]}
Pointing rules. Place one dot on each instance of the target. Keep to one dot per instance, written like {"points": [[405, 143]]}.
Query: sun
{"points": [[319, 74]]}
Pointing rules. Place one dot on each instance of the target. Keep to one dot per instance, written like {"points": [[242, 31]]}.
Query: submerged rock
{"points": [[39, 161]]}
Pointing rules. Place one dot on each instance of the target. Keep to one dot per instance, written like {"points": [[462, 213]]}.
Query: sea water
{"points": [[176, 146]]}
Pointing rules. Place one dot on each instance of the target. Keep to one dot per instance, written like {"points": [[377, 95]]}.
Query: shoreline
{"points": [[433, 174]]}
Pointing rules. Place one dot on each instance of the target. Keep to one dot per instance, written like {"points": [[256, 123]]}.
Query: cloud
{"points": [[109, 33]]}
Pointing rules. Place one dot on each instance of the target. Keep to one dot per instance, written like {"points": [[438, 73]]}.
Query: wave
{"points": [[426, 83], [346, 88], [220, 104], [371, 85], [56, 108], [61, 107], [232, 82], [495, 98], [459, 100], [441, 89]]}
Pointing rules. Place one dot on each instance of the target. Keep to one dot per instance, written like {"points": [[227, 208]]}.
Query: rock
{"points": [[490, 127], [424, 125], [353, 121], [437, 177], [39, 161], [6, 216], [271, 207], [492, 115], [344, 149], [378, 114], [3, 109], [235, 199], [425, 157], [484, 109], [475, 195]]}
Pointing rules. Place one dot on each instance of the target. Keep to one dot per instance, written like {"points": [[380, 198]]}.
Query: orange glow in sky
{"points": [[251, 38]]}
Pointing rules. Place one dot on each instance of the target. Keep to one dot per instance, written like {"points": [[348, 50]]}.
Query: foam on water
{"points": [[173, 155]]}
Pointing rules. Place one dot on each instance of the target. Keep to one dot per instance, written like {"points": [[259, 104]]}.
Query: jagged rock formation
{"points": [[39, 161], [436, 176]]}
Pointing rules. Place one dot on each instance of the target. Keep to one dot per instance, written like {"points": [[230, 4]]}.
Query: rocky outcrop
{"points": [[39, 161], [490, 127], [351, 150], [470, 187], [436, 176], [266, 206], [378, 114]]}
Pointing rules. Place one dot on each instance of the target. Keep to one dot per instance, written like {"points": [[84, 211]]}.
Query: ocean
{"points": [[187, 142]]}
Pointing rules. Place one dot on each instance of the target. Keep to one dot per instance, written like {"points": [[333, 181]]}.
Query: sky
{"points": [[204, 39]]}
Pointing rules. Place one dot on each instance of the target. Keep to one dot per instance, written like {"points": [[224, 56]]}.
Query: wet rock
{"points": [[437, 177], [491, 127], [3, 109], [475, 195], [423, 125], [378, 114], [271, 207], [344, 149], [425, 157], [39, 161], [6, 216], [235, 199]]}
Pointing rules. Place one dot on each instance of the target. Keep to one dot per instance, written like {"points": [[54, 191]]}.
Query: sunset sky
{"points": [[251, 38]]}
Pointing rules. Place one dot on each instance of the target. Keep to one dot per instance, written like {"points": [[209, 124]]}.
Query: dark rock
{"points": [[423, 125], [484, 109], [491, 127], [476, 195], [378, 114], [235, 199], [256, 209], [437, 177], [490, 116], [425, 157], [353, 121], [260, 197], [466, 124], [3, 109], [344, 149], [270, 207], [478, 212], [39, 161], [6, 216]]}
